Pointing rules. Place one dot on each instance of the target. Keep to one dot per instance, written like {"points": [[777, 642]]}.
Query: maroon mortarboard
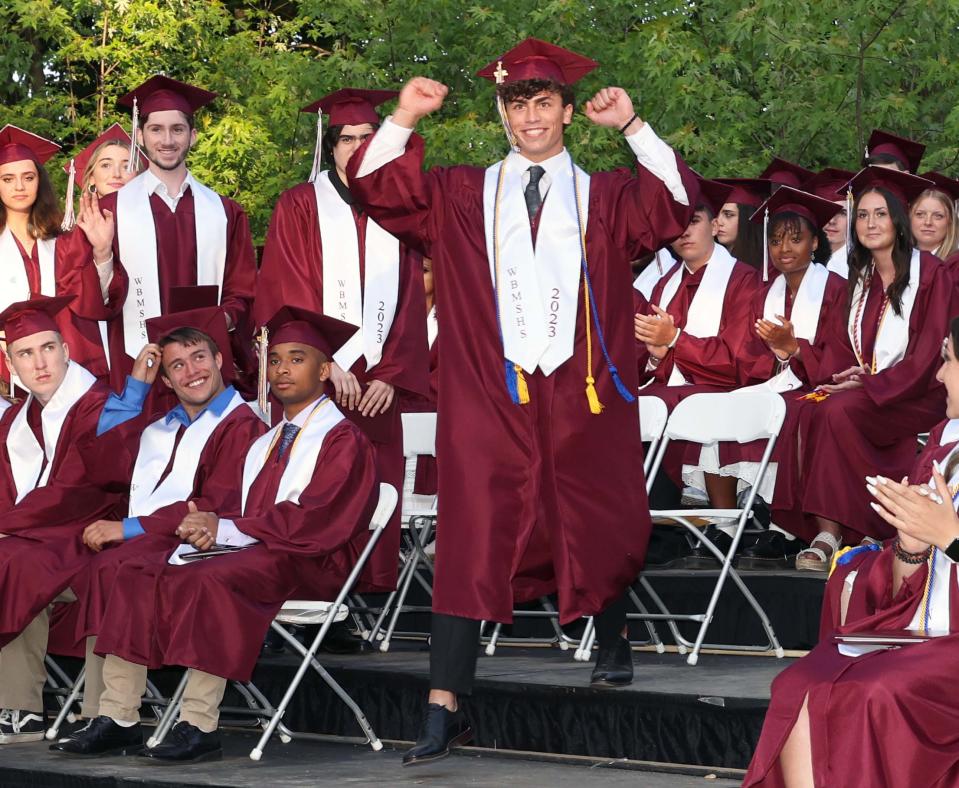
{"points": [[535, 59], [351, 106], [294, 324], [786, 173], [945, 184], [904, 186], [82, 159], [25, 318], [162, 93], [189, 297], [714, 195], [816, 210], [17, 144], [210, 320], [747, 191], [827, 182], [904, 150]]}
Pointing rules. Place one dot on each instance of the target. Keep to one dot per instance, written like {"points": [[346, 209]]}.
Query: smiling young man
{"points": [[171, 230], [44, 500], [540, 481], [324, 253], [307, 490]]}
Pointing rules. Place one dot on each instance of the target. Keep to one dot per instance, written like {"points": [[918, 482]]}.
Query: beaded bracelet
{"points": [[910, 558], [628, 123]]}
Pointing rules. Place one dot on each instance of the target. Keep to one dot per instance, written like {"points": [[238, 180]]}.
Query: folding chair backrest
{"points": [[652, 421], [384, 506], [419, 434], [740, 416]]}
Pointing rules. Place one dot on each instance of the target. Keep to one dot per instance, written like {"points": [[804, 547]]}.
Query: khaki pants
{"points": [[92, 682], [22, 670], [125, 682]]}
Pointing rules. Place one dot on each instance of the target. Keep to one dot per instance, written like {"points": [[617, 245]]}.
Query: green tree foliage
{"points": [[729, 84]]}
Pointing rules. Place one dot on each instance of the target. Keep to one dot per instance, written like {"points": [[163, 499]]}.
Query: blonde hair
{"points": [[950, 243], [88, 171]]}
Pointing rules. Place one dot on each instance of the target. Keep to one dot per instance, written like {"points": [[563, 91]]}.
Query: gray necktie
{"points": [[286, 440], [533, 198]]}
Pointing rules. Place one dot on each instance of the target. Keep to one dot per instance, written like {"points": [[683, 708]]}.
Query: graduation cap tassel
{"points": [[850, 220], [69, 217], [500, 74], [318, 148], [766, 246], [134, 147]]}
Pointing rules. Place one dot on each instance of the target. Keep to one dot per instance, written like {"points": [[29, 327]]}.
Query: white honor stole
{"points": [[807, 307], [706, 309], [304, 452], [372, 306], [839, 262], [893, 337], [536, 288], [432, 327], [156, 448], [26, 454], [137, 241], [13, 274]]}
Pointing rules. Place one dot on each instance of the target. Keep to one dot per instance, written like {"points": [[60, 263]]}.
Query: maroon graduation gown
{"points": [[886, 718], [41, 548], [292, 275], [873, 429], [110, 460], [76, 275], [177, 266], [546, 496], [212, 614]]}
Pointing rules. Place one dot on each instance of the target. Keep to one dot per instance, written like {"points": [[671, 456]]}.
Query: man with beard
{"points": [[174, 232]]}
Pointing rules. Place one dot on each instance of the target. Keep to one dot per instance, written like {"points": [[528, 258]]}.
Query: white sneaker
{"points": [[20, 726]]}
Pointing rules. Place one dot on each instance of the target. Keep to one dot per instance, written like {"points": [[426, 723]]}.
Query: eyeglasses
{"points": [[349, 139]]}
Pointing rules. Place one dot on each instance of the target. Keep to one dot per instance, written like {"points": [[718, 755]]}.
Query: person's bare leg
{"points": [[796, 756], [444, 698], [721, 490]]}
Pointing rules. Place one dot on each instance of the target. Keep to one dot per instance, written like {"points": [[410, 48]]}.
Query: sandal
{"points": [[815, 559]]}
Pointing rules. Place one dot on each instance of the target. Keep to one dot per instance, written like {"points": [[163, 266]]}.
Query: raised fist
{"points": [[612, 107], [418, 98]]}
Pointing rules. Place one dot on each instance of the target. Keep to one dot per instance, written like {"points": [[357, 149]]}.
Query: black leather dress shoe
{"points": [[614, 665], [701, 556], [101, 736], [771, 551], [186, 743], [441, 730]]}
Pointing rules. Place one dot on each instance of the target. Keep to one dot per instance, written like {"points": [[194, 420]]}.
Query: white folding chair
{"points": [[653, 416], [300, 612], [418, 519], [741, 417]]}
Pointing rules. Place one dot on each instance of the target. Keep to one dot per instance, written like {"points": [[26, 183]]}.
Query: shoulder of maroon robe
{"points": [[334, 508], [217, 483], [67, 498], [8, 491], [937, 302], [638, 210], [239, 271]]}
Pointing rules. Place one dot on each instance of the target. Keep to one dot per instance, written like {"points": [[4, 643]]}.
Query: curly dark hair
{"points": [[860, 258], [527, 88], [45, 214], [792, 222]]}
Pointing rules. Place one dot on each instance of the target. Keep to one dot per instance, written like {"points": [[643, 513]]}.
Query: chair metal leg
{"points": [[491, 646], [682, 645], [65, 712], [654, 638], [582, 653], [169, 714]]}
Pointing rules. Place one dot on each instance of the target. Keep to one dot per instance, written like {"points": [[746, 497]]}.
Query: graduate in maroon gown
{"points": [[901, 300], [37, 257], [174, 232], [933, 217], [308, 489], [540, 485], [325, 254], [742, 238], [794, 319], [845, 715], [827, 184], [43, 500]]}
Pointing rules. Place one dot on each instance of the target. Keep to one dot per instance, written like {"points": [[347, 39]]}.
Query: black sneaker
{"points": [[17, 725]]}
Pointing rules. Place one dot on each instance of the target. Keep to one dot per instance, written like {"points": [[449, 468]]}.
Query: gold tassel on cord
{"points": [[521, 388], [595, 406]]}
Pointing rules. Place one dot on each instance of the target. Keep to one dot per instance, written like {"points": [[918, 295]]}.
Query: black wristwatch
{"points": [[952, 551]]}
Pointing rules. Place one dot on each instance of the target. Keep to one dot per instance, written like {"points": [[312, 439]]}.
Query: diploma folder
{"points": [[894, 638]]}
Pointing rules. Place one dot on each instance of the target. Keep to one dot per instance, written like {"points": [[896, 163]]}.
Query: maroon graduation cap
{"points": [[816, 210], [747, 191], [210, 320], [714, 195], [945, 184], [295, 324], [827, 182], [786, 173], [904, 150], [17, 144], [535, 59], [26, 318], [351, 106], [162, 93], [82, 159], [904, 186]]}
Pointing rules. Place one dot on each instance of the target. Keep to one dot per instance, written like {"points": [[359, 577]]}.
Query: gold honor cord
{"points": [[857, 325]]}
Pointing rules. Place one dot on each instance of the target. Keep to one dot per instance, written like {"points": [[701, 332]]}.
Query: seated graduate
{"points": [[932, 215], [186, 457], [43, 499], [901, 300], [690, 332], [796, 317], [742, 238], [308, 490], [826, 184], [853, 715]]}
